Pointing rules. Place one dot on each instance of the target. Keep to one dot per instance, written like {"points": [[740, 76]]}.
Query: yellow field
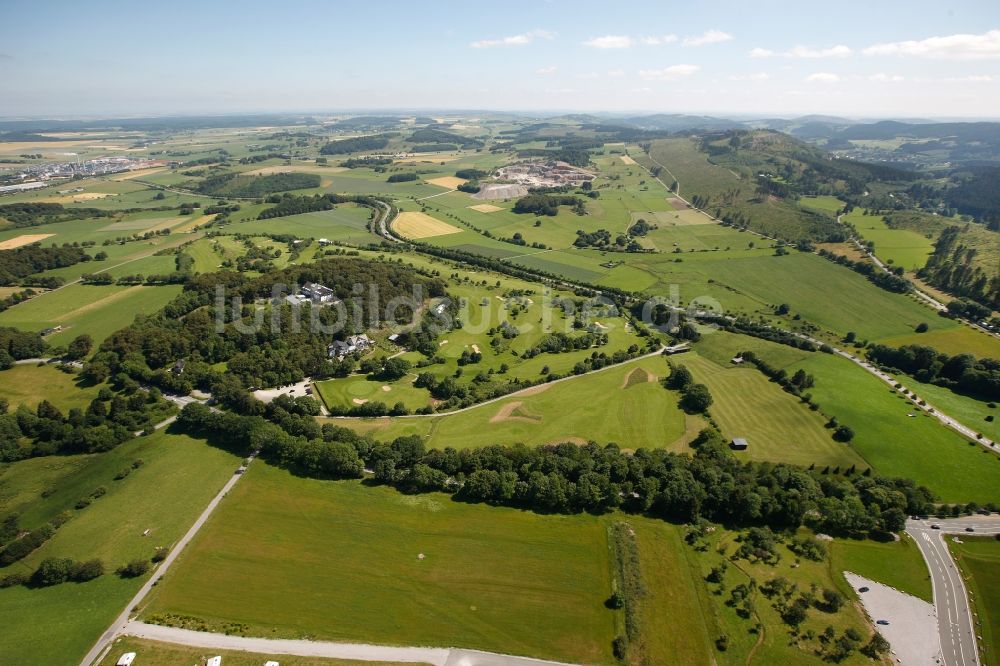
{"points": [[295, 168], [486, 208], [77, 197], [138, 173], [25, 239], [627, 160], [451, 182], [421, 225]]}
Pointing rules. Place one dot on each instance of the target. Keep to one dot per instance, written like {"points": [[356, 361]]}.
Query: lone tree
{"points": [[80, 347], [696, 399]]}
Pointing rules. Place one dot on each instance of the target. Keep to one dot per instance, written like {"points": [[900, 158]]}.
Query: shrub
{"points": [[80, 572], [51, 571], [133, 569]]}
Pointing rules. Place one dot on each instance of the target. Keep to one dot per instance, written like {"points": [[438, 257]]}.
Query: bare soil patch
{"points": [[512, 412], [501, 191], [24, 239], [627, 160], [677, 204], [637, 376]]}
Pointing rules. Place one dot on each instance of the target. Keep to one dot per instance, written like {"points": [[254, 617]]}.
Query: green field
{"points": [[898, 564], [155, 653], [979, 559], [329, 558], [179, 475], [624, 407], [899, 247], [778, 427], [959, 340], [30, 384], [918, 448], [96, 310]]}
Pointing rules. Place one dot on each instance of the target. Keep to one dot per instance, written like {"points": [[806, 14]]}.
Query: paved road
{"points": [[955, 624], [305, 648], [122, 621]]}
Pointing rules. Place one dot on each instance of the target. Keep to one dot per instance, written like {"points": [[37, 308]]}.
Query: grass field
{"points": [[155, 653], [968, 411], [979, 559], [59, 624], [959, 340], [96, 310], [30, 384], [917, 448], [328, 559], [898, 564], [625, 407], [900, 247], [778, 426]]}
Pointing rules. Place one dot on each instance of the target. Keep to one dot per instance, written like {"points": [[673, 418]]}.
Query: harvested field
{"points": [[501, 191], [25, 239], [451, 182], [486, 208], [77, 197], [295, 168], [627, 160], [677, 204], [137, 173], [421, 225]]}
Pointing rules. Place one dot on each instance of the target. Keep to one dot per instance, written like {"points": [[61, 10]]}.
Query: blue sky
{"points": [[875, 58]]}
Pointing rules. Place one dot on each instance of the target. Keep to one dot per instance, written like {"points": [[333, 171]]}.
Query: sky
{"points": [[860, 59]]}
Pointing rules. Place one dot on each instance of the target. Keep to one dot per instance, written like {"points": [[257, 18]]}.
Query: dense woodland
{"points": [[359, 144], [568, 478], [952, 267], [271, 350], [24, 261], [548, 204], [35, 214], [962, 373], [250, 187]]}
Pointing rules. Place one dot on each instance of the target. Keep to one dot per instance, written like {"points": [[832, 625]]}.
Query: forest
{"points": [[361, 143], [24, 261], [250, 187], [952, 267]]}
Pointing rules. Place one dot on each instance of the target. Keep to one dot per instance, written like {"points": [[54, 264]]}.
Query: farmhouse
{"points": [[178, 368], [354, 343], [739, 444]]}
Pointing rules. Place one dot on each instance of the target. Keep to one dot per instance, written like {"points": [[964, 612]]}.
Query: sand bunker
{"points": [[501, 191], [486, 208], [421, 225], [24, 239], [451, 182], [386, 388], [358, 401]]}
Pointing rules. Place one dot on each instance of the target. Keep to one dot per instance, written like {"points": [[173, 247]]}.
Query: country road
{"points": [[119, 624], [954, 615], [330, 650]]}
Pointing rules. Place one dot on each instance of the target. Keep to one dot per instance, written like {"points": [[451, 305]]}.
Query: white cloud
{"points": [[545, 71], [654, 40], [822, 77], [707, 37], [951, 47], [609, 42], [803, 52], [514, 40], [671, 73], [886, 78], [616, 73], [756, 76]]}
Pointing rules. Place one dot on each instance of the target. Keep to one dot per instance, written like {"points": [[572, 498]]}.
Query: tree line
{"points": [[962, 373]]}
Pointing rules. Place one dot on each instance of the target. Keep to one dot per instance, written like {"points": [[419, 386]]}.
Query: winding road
{"points": [[956, 626]]}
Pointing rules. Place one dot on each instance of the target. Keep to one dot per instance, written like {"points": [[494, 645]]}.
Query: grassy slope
{"points": [[979, 559], [329, 558], [642, 414], [918, 448], [778, 426], [58, 624], [155, 653], [96, 310], [30, 384]]}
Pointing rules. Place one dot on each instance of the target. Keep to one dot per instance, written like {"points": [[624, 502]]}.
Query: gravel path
{"points": [[305, 648], [912, 629]]}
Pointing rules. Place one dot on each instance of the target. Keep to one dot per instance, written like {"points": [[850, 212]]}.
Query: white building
{"points": [[318, 293], [354, 343], [126, 659]]}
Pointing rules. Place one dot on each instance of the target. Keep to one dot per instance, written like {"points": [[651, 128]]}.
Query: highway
{"points": [[951, 602]]}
